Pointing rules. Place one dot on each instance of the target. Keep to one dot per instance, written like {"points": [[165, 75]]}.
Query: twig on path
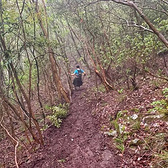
{"points": [[13, 140], [160, 77]]}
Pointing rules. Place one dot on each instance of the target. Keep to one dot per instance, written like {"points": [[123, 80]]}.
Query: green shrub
{"points": [[161, 106], [59, 112], [122, 135]]}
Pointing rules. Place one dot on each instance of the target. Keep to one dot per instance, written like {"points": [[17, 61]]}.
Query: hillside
{"points": [[89, 138]]}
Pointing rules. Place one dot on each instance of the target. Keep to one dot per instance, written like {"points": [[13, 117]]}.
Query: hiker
{"points": [[77, 82]]}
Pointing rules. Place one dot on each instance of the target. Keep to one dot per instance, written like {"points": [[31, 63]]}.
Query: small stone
{"points": [[134, 116], [111, 133], [135, 140]]}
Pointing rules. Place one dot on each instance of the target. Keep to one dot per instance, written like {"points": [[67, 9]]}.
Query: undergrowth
{"points": [[127, 125], [161, 106], [100, 88], [58, 113]]}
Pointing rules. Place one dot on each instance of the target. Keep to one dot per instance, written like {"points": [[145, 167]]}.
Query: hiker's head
{"points": [[77, 66]]}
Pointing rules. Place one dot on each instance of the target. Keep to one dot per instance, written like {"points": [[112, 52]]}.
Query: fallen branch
{"points": [[160, 77], [13, 140]]}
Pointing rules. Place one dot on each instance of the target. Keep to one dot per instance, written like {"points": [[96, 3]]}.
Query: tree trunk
{"points": [[61, 91], [101, 73]]}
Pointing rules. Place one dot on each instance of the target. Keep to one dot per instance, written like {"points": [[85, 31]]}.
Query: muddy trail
{"points": [[78, 143]]}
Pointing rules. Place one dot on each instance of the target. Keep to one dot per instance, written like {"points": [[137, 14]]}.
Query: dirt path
{"points": [[78, 143]]}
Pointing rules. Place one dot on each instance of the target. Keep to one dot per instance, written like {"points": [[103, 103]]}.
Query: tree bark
{"points": [[101, 73], [60, 89]]}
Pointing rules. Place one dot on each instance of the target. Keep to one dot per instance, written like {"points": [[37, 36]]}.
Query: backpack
{"points": [[79, 74], [78, 79]]}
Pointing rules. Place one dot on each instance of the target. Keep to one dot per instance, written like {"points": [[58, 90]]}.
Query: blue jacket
{"points": [[76, 71]]}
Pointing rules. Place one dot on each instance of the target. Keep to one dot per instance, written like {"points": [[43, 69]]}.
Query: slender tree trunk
{"points": [[60, 89], [100, 73], [15, 110], [78, 38], [13, 70]]}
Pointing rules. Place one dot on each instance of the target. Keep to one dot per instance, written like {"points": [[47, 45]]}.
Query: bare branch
{"points": [[139, 26], [161, 11], [160, 77], [133, 5], [91, 3], [165, 2], [13, 139], [22, 7]]}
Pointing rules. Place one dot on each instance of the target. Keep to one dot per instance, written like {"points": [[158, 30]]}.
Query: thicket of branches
{"points": [[40, 42]]}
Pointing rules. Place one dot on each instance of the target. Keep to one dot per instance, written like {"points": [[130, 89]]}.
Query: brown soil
{"points": [[78, 143]]}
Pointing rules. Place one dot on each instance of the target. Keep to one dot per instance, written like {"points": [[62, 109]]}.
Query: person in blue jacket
{"points": [[78, 76]]}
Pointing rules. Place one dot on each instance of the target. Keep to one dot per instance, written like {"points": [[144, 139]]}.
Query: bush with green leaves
{"points": [[122, 135], [161, 106], [58, 113]]}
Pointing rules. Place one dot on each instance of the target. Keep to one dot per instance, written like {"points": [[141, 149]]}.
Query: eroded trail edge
{"points": [[78, 143]]}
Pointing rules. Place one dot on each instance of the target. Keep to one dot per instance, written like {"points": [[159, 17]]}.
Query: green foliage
{"points": [[100, 88], [120, 91], [44, 127], [162, 159], [116, 125], [165, 92], [120, 142], [163, 25], [157, 143], [135, 110], [136, 126], [121, 134], [24, 77], [161, 106], [61, 160], [59, 112]]}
